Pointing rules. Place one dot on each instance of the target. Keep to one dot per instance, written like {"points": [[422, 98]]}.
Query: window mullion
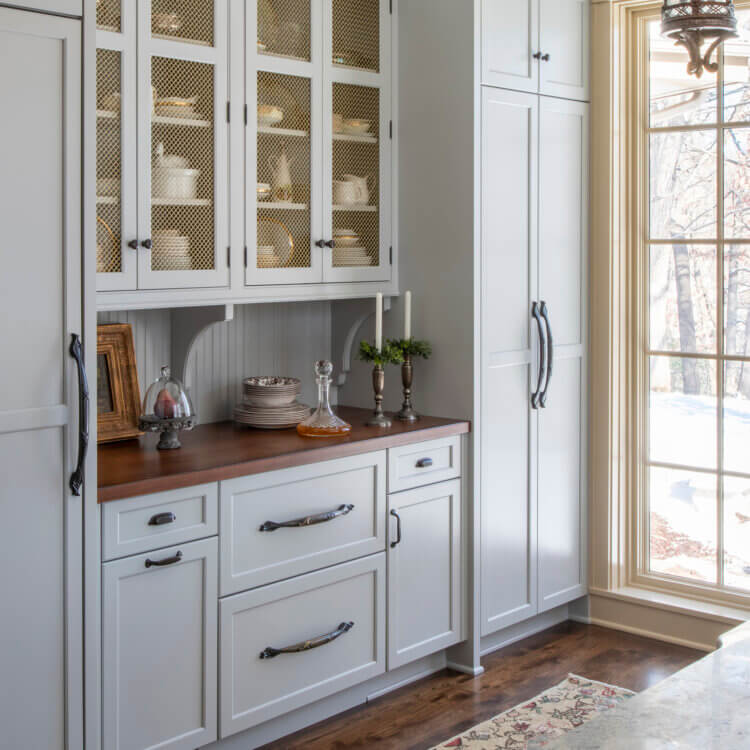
{"points": [[720, 322]]}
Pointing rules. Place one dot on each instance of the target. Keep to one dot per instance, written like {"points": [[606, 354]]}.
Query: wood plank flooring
{"points": [[432, 710]]}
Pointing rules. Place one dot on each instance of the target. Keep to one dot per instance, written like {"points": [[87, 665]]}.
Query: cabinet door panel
{"points": [[424, 571], [510, 38], [561, 497], [159, 649], [564, 36]]}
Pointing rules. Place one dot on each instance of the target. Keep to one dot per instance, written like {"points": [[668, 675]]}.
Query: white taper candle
{"points": [[407, 316], [379, 321]]}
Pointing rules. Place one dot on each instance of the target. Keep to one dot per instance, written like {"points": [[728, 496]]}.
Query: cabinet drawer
{"points": [[424, 463], [256, 684], [334, 511], [140, 524]]}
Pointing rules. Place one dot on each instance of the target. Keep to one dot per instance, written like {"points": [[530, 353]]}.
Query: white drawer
{"points": [[351, 491], [415, 465], [141, 524], [255, 688]]}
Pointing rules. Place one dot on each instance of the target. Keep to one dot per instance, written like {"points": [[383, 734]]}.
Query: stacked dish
{"points": [[267, 257], [351, 256], [270, 403], [173, 249]]}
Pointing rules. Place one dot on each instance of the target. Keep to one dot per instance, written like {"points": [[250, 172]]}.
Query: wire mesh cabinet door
{"points": [[284, 94], [116, 180], [357, 140], [182, 144]]}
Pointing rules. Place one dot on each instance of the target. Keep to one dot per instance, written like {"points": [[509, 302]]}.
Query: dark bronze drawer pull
{"points": [[298, 648], [398, 529], [165, 561], [342, 510], [161, 518], [424, 463]]}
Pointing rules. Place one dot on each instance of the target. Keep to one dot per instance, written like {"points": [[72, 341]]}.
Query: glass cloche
{"points": [[167, 409]]}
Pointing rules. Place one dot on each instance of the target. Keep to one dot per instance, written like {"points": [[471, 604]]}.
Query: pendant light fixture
{"points": [[693, 22]]}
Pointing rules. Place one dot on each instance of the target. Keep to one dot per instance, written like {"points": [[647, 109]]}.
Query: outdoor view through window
{"points": [[697, 350]]}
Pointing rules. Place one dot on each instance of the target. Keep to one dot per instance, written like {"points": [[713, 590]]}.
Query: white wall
{"points": [[272, 339]]}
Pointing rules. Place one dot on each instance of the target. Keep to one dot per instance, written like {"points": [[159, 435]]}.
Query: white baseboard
{"points": [[403, 683], [649, 634], [509, 635], [473, 671]]}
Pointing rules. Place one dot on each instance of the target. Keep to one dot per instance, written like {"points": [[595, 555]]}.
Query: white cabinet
{"points": [[424, 571], [533, 236], [318, 175], [41, 659], [159, 649], [161, 142], [538, 46]]}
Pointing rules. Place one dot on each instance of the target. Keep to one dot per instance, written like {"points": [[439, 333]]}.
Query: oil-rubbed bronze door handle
{"points": [[542, 356], [398, 529], [76, 478], [321, 640], [342, 510], [166, 561], [424, 463], [550, 357], [161, 518]]}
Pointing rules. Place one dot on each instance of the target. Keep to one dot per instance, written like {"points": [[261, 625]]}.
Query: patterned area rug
{"points": [[537, 722]]}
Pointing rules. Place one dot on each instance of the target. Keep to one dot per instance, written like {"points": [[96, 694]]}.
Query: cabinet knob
{"points": [[322, 243], [537, 55], [546, 57], [133, 244], [146, 244]]}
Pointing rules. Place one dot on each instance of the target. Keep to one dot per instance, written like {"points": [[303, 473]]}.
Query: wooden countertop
{"points": [[224, 450]]}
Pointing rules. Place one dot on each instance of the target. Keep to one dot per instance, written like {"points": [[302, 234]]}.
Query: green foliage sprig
{"points": [[412, 347], [388, 355]]}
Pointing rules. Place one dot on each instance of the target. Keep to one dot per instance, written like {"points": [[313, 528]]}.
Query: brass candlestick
{"points": [[407, 413], [378, 383]]}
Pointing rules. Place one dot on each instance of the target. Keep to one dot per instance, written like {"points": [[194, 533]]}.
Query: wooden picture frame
{"points": [[118, 395]]}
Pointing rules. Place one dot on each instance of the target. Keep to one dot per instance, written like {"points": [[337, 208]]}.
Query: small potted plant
{"points": [[409, 348], [387, 355]]}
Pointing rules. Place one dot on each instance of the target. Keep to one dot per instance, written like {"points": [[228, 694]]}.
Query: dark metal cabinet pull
{"points": [[162, 518], [342, 510], [542, 356], [398, 529], [551, 351], [537, 55], [321, 640], [133, 244], [546, 57], [146, 244], [166, 561], [323, 243], [424, 463], [76, 478]]}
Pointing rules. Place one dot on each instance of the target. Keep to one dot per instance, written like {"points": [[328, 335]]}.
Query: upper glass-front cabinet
{"points": [[319, 150], [161, 144]]}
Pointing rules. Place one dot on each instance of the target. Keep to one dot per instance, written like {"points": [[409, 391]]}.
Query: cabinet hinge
{"points": [[228, 111], [390, 129], [229, 257], [246, 114], [390, 7], [245, 256], [390, 254]]}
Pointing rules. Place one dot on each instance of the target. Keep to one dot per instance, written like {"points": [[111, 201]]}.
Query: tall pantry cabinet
{"points": [[516, 179]]}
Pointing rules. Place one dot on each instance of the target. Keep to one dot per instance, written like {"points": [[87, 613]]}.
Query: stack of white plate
{"points": [[172, 248], [269, 403], [267, 257], [351, 256]]}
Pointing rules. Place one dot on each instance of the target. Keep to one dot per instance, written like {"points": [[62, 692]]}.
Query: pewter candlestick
{"points": [[407, 413], [378, 383]]}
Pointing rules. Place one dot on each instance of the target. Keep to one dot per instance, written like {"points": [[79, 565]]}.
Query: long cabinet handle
{"points": [[342, 510], [166, 561], [321, 640], [76, 478], [551, 354], [398, 529], [542, 355]]}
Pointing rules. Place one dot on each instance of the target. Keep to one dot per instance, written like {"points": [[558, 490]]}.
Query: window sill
{"points": [[674, 603]]}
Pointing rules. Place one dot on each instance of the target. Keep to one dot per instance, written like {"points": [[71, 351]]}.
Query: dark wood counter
{"points": [[224, 450]]}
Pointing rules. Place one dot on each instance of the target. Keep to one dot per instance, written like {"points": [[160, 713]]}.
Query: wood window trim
{"points": [[616, 299]]}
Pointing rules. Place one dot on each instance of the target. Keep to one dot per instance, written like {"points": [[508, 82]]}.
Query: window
{"points": [[693, 291]]}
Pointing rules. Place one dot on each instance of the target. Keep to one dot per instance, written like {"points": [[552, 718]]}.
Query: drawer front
{"points": [[424, 463], [303, 610], [141, 524], [335, 512]]}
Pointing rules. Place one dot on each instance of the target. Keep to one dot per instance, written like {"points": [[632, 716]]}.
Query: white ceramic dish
{"points": [[356, 127], [174, 183], [268, 115], [263, 191]]}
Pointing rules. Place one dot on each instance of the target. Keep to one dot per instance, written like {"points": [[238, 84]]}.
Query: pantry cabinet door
{"points": [[564, 37], [563, 198], [357, 189], [116, 147], [284, 141], [424, 571], [510, 39], [509, 357], [159, 648], [182, 145]]}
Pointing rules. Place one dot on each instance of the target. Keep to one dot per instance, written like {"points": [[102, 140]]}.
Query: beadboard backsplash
{"points": [[268, 339]]}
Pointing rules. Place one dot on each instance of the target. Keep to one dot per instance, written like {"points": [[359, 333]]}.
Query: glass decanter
{"points": [[323, 422]]}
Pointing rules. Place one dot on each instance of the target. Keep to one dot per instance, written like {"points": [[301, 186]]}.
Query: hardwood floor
{"points": [[432, 710]]}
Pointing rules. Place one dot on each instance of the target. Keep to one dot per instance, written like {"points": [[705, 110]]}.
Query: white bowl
{"points": [[356, 127], [264, 191], [175, 183], [269, 115]]}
